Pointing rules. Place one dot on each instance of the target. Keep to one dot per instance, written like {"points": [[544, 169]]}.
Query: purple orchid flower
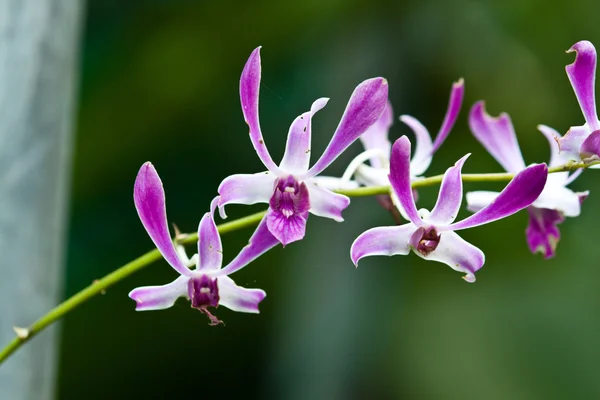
{"points": [[205, 286], [291, 189], [583, 142], [378, 146], [431, 235], [555, 202]]}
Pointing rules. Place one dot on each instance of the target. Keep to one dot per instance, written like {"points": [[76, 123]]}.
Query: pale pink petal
{"points": [[238, 298], [325, 203], [245, 189], [382, 241], [149, 298]]}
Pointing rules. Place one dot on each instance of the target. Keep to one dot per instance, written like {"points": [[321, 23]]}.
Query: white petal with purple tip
{"points": [[245, 189], [210, 250], [325, 203], [382, 241], [149, 298], [450, 195], [237, 298]]}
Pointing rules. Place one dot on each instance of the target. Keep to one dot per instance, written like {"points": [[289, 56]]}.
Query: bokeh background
{"points": [[159, 81]]}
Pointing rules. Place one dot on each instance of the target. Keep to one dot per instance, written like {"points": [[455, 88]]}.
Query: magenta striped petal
{"points": [[400, 179], [454, 105], [149, 199], [582, 74], [261, 241], [376, 137], [210, 249], [450, 196], [237, 298], [149, 298], [522, 190], [366, 105], [498, 137], [297, 150], [249, 90], [382, 241]]}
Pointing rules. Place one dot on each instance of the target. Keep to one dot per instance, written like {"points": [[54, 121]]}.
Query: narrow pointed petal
{"points": [[369, 176], [149, 298], [521, 191], [245, 189], [366, 105], [249, 90], [297, 150], [423, 149], [210, 249], [582, 74], [376, 137], [261, 241], [149, 199], [590, 148], [454, 105], [237, 298], [458, 254], [286, 229], [382, 241], [556, 157], [400, 179], [325, 203], [542, 232], [480, 199], [498, 137], [450, 195]]}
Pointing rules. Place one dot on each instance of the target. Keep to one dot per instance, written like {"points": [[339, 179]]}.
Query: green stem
{"points": [[100, 285]]}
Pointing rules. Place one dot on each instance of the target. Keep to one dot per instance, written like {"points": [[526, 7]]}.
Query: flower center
{"points": [[203, 292], [428, 241], [290, 197]]}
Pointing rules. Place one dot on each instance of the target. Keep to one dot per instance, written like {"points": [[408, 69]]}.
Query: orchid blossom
{"points": [[378, 146], [583, 142], [291, 189], [205, 286], [556, 201], [431, 235]]}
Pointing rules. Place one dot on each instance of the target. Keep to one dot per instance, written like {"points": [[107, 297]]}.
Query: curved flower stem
{"points": [[100, 285]]}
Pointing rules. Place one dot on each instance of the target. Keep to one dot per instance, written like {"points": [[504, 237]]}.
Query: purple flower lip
{"points": [[203, 291], [425, 240], [292, 189]]}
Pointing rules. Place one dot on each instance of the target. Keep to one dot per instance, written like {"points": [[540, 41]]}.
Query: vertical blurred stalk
{"points": [[38, 47]]}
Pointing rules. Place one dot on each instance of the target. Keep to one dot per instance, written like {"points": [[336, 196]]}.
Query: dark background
{"points": [[159, 82]]}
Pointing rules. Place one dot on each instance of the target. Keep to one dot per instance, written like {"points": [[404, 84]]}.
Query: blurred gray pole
{"points": [[38, 70]]}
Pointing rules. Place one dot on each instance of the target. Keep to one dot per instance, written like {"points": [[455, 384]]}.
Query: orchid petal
{"points": [[249, 90], [210, 250], [382, 241], [454, 104], [556, 157], [333, 183], [369, 176], [286, 229], [498, 137], [542, 232], [325, 203], [261, 241], [521, 191], [450, 196], [237, 298], [570, 144], [149, 298], [458, 254], [149, 199], [590, 148], [366, 105], [423, 149], [376, 137], [245, 189], [400, 179], [297, 150], [480, 199], [560, 198], [582, 74]]}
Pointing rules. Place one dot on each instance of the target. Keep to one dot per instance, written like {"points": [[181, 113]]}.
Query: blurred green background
{"points": [[159, 82]]}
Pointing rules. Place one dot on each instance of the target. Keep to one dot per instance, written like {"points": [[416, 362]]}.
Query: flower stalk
{"points": [[99, 286]]}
